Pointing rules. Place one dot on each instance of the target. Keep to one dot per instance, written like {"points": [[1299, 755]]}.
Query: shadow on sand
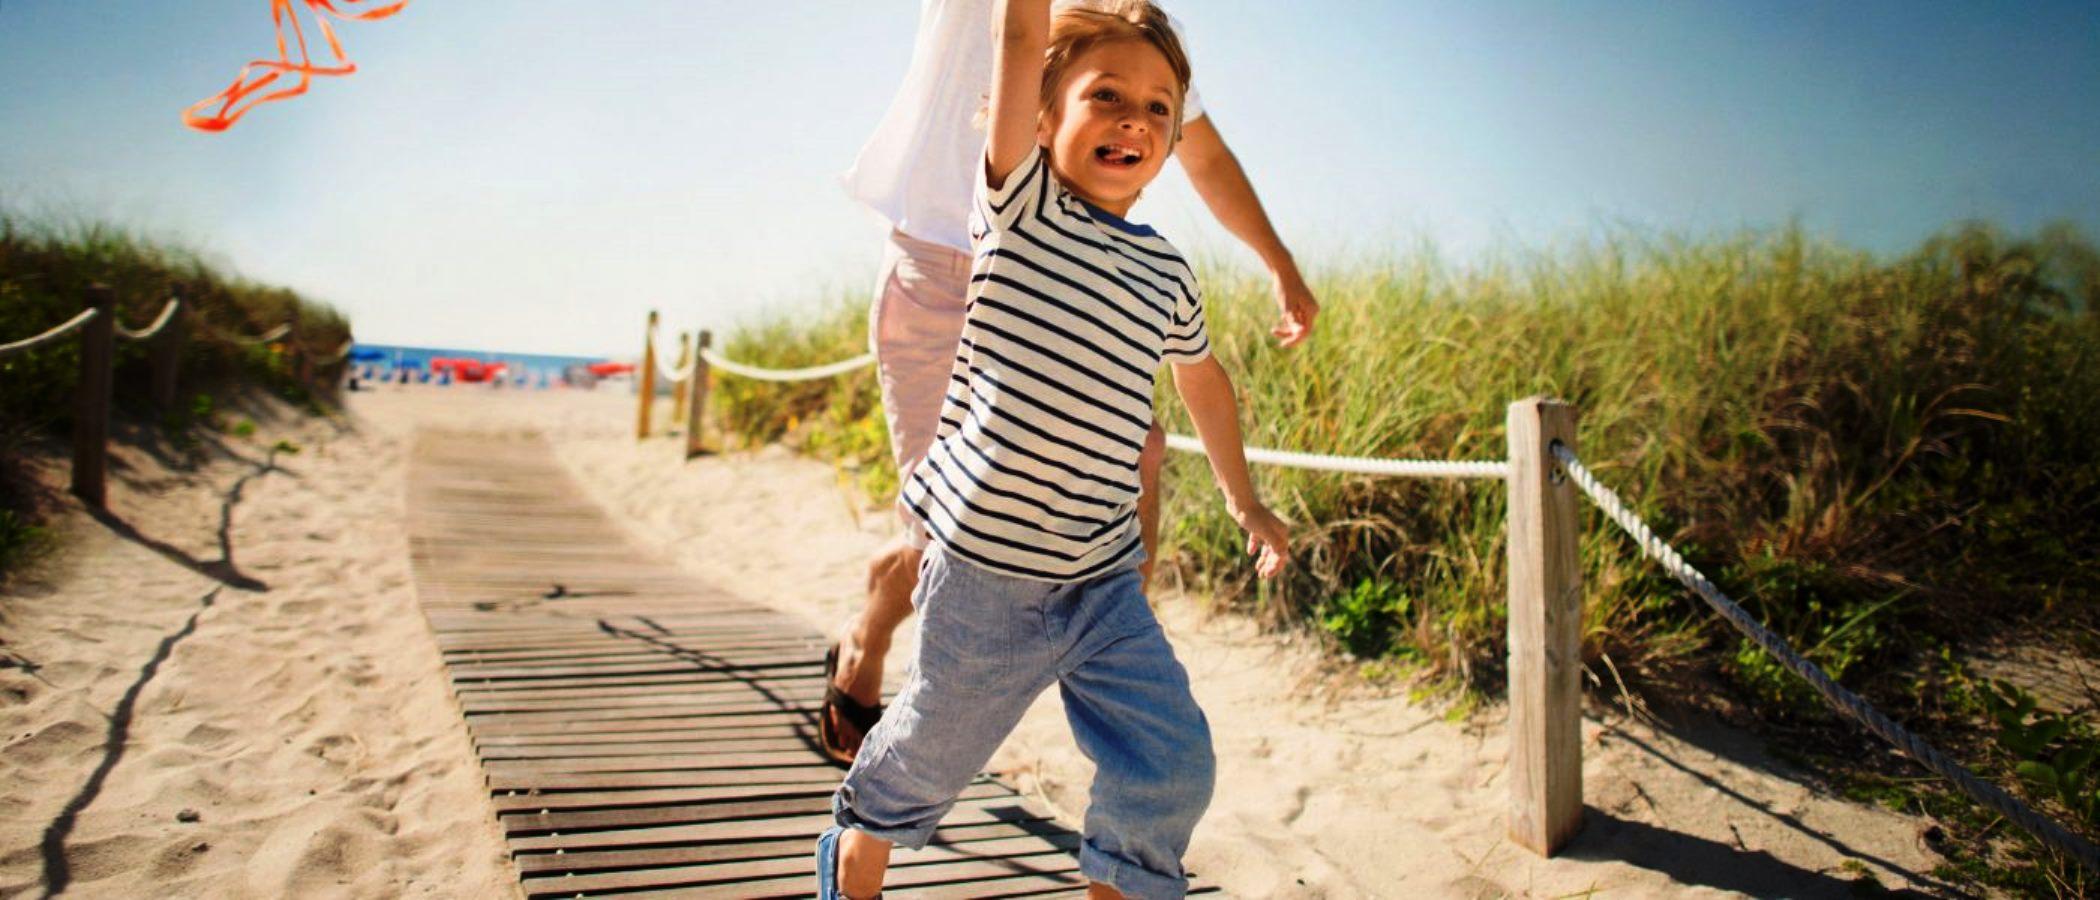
{"points": [[57, 874], [221, 570], [1697, 861]]}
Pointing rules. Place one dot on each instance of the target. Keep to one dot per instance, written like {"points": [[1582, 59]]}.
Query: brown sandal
{"points": [[837, 702]]}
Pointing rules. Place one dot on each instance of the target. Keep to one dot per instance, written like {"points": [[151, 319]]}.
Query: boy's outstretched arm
{"points": [[1207, 391], [1021, 32]]}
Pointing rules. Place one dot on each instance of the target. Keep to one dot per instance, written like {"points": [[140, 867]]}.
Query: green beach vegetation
{"points": [[46, 266], [1891, 460]]}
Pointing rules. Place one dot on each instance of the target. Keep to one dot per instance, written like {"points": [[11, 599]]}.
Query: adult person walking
{"points": [[917, 171]]}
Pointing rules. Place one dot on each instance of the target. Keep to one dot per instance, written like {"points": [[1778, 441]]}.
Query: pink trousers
{"points": [[914, 325]]}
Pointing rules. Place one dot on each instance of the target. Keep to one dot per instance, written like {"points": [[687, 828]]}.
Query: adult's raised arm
{"points": [[1224, 187], [1021, 32]]}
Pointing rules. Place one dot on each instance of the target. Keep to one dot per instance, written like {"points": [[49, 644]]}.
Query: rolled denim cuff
{"points": [[911, 837], [1135, 881]]}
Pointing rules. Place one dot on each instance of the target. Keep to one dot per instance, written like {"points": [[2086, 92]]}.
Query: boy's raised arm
{"points": [[1021, 32]]}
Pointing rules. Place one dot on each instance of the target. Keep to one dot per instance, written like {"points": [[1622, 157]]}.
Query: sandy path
{"points": [[273, 727], [1324, 792]]}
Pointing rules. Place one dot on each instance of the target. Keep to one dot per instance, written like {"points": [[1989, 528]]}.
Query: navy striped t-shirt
{"points": [[1034, 469]]}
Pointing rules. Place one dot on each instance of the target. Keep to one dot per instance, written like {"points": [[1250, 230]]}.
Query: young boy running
{"points": [[1028, 492]]}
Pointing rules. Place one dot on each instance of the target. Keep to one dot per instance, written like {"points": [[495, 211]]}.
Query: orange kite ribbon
{"points": [[267, 71]]}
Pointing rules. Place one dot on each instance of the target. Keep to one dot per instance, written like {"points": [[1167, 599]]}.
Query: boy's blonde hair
{"points": [[1080, 27]]}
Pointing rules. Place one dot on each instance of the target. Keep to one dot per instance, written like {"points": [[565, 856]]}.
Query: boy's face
{"points": [[1113, 123]]}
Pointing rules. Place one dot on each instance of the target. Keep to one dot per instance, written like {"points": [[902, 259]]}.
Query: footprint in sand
{"points": [[207, 736], [313, 855], [90, 861], [177, 858], [59, 740]]}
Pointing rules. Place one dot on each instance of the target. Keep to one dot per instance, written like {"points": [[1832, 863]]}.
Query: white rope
{"points": [[805, 374], [663, 369], [340, 354], [670, 374], [167, 313], [1990, 795], [1403, 468], [265, 337], [31, 343]]}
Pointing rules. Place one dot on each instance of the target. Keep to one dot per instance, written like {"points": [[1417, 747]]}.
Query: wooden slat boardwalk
{"points": [[641, 732]]}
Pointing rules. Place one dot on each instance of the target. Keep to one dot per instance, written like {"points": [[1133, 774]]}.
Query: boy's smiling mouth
{"points": [[1118, 155]]}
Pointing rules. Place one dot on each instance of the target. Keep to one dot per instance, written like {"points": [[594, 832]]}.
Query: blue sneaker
{"points": [[828, 864]]}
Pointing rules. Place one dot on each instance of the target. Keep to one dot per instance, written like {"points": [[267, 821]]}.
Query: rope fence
{"points": [[809, 373], [99, 330], [1546, 610], [1844, 701], [167, 314], [341, 353], [1361, 465], [264, 338], [61, 330]]}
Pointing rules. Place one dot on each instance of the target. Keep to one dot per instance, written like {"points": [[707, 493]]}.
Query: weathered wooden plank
{"points": [[976, 878], [1035, 854], [586, 861], [658, 763], [683, 711], [1003, 810], [780, 696], [503, 727], [497, 743], [609, 799], [752, 807], [605, 750], [810, 773], [655, 684]]}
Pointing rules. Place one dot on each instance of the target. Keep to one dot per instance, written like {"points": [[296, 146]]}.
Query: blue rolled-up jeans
{"points": [[988, 645]]}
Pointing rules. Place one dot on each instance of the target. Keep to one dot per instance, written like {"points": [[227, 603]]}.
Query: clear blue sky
{"points": [[533, 175]]}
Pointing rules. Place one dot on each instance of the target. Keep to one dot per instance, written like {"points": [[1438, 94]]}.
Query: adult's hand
{"points": [[1224, 187], [1295, 305]]}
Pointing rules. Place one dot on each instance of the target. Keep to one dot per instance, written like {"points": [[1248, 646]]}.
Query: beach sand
{"points": [[230, 690], [308, 724]]}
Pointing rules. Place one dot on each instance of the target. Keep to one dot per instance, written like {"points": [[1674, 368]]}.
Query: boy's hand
{"points": [[1267, 540]]}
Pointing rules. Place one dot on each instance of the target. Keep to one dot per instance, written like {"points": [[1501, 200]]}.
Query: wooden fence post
{"points": [[302, 361], [1545, 631], [645, 378], [685, 355], [696, 414], [91, 411], [166, 357]]}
